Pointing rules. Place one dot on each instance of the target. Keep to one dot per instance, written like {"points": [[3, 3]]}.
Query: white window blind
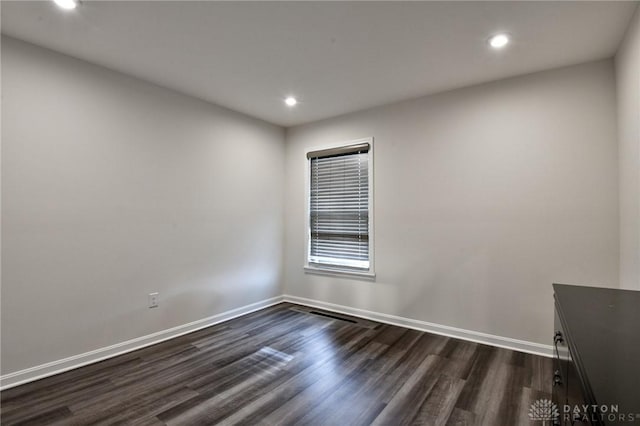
{"points": [[339, 207]]}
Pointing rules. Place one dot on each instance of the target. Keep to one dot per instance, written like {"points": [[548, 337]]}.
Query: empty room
{"points": [[320, 213]]}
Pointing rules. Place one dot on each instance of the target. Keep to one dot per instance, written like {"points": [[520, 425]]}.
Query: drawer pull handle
{"points": [[557, 378], [557, 337]]}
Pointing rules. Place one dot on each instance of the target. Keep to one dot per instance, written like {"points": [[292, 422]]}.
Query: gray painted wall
{"points": [[113, 188], [628, 88], [484, 196]]}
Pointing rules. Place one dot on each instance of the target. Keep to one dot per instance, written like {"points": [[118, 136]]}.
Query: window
{"points": [[339, 236]]}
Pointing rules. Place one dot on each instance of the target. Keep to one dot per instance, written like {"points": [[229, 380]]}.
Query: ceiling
{"points": [[336, 57]]}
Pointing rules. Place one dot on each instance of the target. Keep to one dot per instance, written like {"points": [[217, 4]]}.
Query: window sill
{"points": [[339, 272]]}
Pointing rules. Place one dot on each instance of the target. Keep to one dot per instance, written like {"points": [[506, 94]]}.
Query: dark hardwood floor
{"points": [[283, 365]]}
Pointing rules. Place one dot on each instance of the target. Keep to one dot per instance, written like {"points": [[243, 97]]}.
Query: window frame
{"points": [[328, 269]]}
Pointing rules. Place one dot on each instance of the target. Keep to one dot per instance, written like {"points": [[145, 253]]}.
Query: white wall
{"points": [[484, 196], [113, 188], [627, 63]]}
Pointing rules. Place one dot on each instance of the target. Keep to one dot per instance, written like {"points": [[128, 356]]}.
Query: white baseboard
{"points": [[51, 368], [458, 333]]}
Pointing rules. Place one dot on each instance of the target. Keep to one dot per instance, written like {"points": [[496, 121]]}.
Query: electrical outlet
{"points": [[153, 300]]}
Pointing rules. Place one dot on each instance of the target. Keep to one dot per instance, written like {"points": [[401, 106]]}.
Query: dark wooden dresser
{"points": [[596, 377]]}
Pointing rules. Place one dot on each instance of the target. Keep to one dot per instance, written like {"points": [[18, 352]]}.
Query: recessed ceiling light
{"points": [[291, 101], [499, 41], [67, 4]]}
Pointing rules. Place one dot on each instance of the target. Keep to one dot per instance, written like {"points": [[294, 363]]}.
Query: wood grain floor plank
{"points": [[438, 405], [43, 418], [404, 405], [461, 417]]}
